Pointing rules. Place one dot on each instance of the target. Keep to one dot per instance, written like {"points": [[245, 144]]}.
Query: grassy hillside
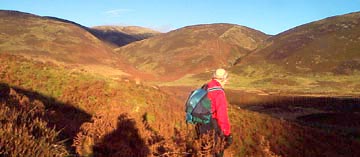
{"points": [[59, 109], [192, 49], [328, 45], [72, 98], [50, 39], [100, 116], [318, 58], [321, 57], [59, 41]]}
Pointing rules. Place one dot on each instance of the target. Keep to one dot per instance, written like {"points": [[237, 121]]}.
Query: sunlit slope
{"points": [[50, 39], [329, 45], [318, 57], [192, 49]]}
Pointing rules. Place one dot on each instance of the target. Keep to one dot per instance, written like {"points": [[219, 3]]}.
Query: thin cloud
{"points": [[117, 12], [163, 28]]}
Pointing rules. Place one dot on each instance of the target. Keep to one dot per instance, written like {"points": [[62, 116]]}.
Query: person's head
{"points": [[221, 76]]}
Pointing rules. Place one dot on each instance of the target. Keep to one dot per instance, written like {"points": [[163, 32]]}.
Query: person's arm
{"points": [[222, 114]]}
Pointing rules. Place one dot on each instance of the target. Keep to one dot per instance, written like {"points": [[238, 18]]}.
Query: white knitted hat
{"points": [[220, 74]]}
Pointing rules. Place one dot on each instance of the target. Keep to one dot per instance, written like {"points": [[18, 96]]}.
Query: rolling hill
{"points": [[328, 45], [321, 57], [61, 42], [42, 103], [49, 39], [192, 49], [122, 35]]}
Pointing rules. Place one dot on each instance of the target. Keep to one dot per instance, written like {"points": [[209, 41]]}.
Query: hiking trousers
{"points": [[206, 128]]}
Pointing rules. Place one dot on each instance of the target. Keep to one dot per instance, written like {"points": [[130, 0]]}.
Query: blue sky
{"points": [[268, 16]]}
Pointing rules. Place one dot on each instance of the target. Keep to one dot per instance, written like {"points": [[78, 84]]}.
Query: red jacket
{"points": [[219, 107]]}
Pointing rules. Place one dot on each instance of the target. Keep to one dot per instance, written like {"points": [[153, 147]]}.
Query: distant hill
{"points": [[318, 58], [328, 45], [138, 31], [122, 35], [192, 49], [50, 39]]}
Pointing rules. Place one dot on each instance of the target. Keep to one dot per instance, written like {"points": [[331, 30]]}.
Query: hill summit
{"points": [[328, 45], [50, 39], [192, 49], [122, 35]]}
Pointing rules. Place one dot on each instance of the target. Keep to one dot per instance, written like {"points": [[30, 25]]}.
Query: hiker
{"points": [[219, 120]]}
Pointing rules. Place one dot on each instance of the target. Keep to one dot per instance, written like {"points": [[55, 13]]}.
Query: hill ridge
{"points": [[311, 58], [195, 48]]}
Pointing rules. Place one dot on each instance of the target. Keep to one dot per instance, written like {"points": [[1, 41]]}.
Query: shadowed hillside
{"points": [[114, 36], [122, 35], [192, 49], [41, 124], [106, 101]]}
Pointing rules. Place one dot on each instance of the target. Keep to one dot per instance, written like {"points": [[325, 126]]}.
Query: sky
{"points": [[269, 16]]}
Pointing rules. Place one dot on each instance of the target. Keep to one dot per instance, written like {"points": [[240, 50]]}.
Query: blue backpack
{"points": [[198, 105]]}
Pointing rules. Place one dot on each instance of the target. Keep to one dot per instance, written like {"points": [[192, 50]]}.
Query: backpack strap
{"points": [[215, 88], [205, 87]]}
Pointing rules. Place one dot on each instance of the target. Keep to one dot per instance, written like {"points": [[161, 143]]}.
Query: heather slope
{"points": [[328, 45], [192, 49], [50, 39], [103, 117], [318, 58]]}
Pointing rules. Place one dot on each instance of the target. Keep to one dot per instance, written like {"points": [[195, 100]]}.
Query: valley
{"points": [[81, 94]]}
